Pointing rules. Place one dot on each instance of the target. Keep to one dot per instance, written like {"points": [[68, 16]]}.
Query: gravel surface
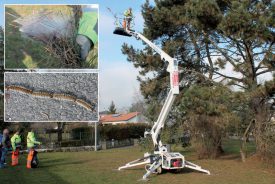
{"points": [[25, 107]]}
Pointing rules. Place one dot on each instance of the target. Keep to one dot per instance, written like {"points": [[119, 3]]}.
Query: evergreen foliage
{"points": [[208, 36], [112, 108]]}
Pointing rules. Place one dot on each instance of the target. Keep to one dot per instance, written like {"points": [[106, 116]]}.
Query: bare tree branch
{"points": [[209, 57], [243, 87], [225, 55], [265, 57], [264, 71], [239, 47], [229, 77]]}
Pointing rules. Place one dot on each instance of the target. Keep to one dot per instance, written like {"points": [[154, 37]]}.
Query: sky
{"points": [[117, 77]]}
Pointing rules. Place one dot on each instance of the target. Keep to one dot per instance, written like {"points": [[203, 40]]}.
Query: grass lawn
{"points": [[22, 52], [100, 167]]}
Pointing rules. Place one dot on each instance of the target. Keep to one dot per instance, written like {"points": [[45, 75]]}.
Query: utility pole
{"points": [[95, 136]]}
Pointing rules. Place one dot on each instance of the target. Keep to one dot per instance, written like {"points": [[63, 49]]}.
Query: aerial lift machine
{"points": [[162, 158]]}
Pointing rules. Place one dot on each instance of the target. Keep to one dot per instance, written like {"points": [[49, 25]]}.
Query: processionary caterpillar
{"points": [[58, 96]]}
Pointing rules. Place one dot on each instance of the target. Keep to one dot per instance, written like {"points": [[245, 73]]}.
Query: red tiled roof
{"points": [[117, 117]]}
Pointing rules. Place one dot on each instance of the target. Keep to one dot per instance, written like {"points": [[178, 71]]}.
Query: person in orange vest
{"points": [[128, 17], [32, 160], [16, 146]]}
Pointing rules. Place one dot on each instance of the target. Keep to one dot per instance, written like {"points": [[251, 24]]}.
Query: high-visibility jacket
{"points": [[15, 141], [88, 25], [128, 13], [31, 140]]}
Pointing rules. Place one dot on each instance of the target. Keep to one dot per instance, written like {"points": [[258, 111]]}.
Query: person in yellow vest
{"points": [[16, 146], [128, 16], [32, 143]]}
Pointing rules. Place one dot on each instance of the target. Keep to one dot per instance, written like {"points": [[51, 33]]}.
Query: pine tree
{"points": [[112, 108], [210, 115], [205, 36]]}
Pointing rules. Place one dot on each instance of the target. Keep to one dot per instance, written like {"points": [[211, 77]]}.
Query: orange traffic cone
{"points": [[14, 157], [29, 159]]}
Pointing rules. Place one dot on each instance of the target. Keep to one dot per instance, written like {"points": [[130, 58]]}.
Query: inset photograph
{"points": [[33, 97], [51, 36]]}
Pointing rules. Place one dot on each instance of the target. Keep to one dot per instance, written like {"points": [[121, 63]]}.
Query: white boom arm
{"points": [[162, 158], [174, 89]]}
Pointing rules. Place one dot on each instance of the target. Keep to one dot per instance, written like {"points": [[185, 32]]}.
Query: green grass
{"points": [[100, 167], [23, 52], [233, 147]]}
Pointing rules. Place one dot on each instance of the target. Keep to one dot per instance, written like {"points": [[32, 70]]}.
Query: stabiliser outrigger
{"points": [[162, 158]]}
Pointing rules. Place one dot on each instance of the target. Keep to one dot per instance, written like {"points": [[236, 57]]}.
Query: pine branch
{"points": [[197, 50], [229, 77], [250, 60], [239, 47], [243, 87], [209, 57], [265, 57], [225, 55], [264, 71]]}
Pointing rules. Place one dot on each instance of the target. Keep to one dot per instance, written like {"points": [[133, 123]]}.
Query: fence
{"points": [[117, 143], [68, 140], [50, 141]]}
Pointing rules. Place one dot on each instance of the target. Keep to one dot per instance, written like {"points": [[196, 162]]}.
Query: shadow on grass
{"points": [[49, 164], [228, 156], [231, 149], [22, 175]]}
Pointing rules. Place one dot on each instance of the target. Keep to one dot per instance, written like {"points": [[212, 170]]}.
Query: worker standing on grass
{"points": [[16, 146], [87, 30], [128, 16], [5, 146], [32, 160]]}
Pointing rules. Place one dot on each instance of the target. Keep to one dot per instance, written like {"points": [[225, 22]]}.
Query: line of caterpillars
{"points": [[58, 96]]}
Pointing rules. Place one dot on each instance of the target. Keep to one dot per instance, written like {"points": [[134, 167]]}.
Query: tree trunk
{"points": [[60, 126], [243, 150], [220, 149], [59, 136]]}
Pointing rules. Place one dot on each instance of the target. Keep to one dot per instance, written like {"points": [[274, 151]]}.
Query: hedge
{"points": [[123, 131], [117, 132]]}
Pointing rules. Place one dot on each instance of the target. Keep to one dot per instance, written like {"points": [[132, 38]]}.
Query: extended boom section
{"points": [[159, 124], [162, 158]]}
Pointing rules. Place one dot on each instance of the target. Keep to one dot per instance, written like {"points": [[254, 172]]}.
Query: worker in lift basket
{"points": [[128, 17], [16, 146], [32, 160]]}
